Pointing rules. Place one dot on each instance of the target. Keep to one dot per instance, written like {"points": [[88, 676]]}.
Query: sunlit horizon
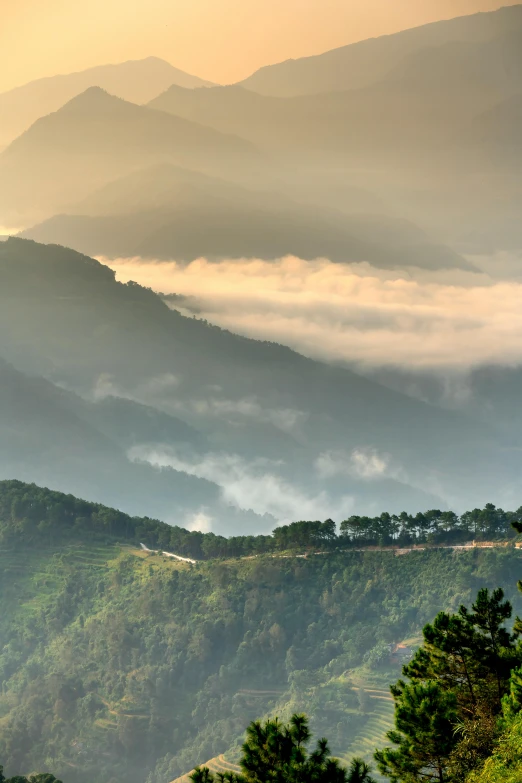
{"points": [[221, 41]]}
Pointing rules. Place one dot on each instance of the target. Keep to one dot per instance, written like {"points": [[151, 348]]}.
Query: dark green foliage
{"points": [[469, 653], [305, 534], [447, 716], [502, 758], [512, 701], [41, 777], [431, 526], [277, 753], [425, 716], [31, 515], [118, 666]]}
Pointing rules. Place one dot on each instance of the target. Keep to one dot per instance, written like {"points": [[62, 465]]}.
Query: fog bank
{"points": [[350, 312]]}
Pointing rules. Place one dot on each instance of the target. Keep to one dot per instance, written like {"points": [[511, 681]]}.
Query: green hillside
{"points": [[505, 765], [139, 667]]}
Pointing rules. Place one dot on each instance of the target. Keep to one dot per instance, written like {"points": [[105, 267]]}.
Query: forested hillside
{"points": [[119, 663], [279, 432], [260, 410], [32, 516]]}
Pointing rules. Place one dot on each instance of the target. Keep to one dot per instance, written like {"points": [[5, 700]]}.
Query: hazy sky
{"points": [[221, 40]]}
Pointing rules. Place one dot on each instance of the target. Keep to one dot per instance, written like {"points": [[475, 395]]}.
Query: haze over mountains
{"points": [[358, 65], [158, 213], [437, 105], [136, 81], [392, 128], [401, 153], [424, 99], [277, 432], [96, 137], [227, 309], [52, 437]]}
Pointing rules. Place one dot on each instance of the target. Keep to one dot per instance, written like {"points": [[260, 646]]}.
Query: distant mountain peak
{"points": [[152, 58], [97, 101], [136, 81], [93, 97]]}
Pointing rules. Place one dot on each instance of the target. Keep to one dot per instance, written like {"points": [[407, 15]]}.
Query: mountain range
{"points": [[158, 213], [52, 436], [419, 106], [361, 64], [137, 81], [114, 168], [225, 172], [279, 434], [395, 127], [96, 137], [428, 120], [133, 648]]}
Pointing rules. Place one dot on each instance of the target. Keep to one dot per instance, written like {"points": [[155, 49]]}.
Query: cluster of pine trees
{"points": [[431, 526], [41, 777], [460, 704], [165, 651], [275, 752], [35, 515], [458, 692], [458, 713]]}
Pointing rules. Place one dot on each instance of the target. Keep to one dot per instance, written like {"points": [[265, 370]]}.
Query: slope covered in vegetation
{"points": [[38, 516], [270, 411], [505, 764], [119, 663]]}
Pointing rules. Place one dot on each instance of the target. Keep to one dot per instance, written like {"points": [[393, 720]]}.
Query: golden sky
{"points": [[221, 40]]}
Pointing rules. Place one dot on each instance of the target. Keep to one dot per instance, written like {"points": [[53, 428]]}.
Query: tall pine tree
{"points": [[446, 717]]}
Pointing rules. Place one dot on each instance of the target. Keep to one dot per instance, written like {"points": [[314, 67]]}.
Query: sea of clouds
{"points": [[353, 312]]}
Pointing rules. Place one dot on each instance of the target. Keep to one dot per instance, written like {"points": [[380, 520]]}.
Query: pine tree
{"points": [[275, 752], [462, 675], [425, 715], [470, 653]]}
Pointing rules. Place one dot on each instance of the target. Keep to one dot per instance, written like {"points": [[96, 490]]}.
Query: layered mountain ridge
{"points": [[137, 81], [308, 435]]}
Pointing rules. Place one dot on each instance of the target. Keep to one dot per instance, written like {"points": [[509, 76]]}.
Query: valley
{"points": [[260, 368]]}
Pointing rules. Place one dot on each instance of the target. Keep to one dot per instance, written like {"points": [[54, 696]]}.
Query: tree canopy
{"points": [[461, 685], [30, 515], [275, 752]]}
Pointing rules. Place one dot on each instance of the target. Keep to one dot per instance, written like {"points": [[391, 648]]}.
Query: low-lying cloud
{"points": [[286, 419], [249, 484], [163, 392], [361, 463], [157, 386], [351, 312], [200, 521]]}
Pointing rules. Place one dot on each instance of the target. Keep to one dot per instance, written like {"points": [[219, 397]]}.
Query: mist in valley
{"points": [[259, 335]]}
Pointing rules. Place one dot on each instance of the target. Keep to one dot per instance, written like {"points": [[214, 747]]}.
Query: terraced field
{"points": [[363, 745], [92, 555], [217, 764], [36, 575], [33, 578], [373, 734]]}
